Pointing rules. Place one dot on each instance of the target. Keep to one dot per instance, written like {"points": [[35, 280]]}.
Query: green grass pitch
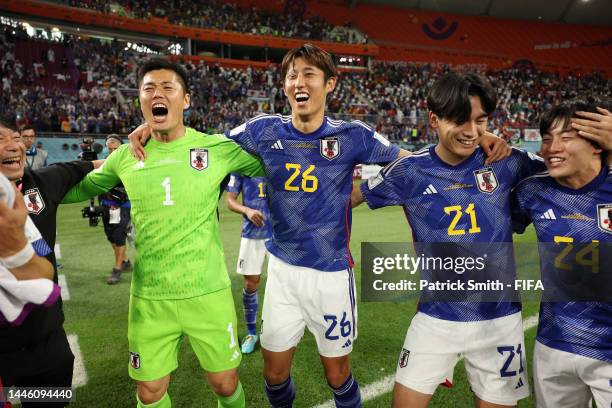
{"points": [[97, 314]]}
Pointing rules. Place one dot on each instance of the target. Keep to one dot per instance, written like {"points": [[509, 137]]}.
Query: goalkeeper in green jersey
{"points": [[180, 285]]}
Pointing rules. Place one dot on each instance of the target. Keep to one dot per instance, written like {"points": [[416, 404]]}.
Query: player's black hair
{"points": [[114, 136], [7, 123], [23, 128], [313, 55], [566, 110], [156, 63], [449, 97]]}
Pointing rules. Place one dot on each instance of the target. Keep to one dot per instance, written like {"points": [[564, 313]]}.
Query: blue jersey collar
{"points": [[466, 163], [311, 135], [592, 185]]}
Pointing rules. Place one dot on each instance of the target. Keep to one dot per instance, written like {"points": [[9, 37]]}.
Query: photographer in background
{"points": [[88, 152], [35, 157], [116, 219]]}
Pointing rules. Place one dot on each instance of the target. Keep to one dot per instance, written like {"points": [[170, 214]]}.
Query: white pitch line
{"points": [[79, 375], [385, 384], [61, 280]]}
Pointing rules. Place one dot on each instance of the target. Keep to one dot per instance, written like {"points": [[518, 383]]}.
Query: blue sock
{"points": [[281, 395], [250, 304], [347, 395]]}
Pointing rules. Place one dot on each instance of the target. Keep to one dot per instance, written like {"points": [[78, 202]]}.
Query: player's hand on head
{"points": [[494, 147], [138, 139], [12, 226], [595, 126], [256, 217]]}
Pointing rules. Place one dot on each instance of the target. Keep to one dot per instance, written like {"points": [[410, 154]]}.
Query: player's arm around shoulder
{"points": [[387, 187], [247, 134], [494, 147], [101, 179], [238, 159]]}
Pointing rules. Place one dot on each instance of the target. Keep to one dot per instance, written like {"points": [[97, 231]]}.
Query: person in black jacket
{"points": [[36, 353]]}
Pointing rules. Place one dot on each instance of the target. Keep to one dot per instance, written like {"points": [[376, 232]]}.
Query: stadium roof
{"points": [[567, 11]]}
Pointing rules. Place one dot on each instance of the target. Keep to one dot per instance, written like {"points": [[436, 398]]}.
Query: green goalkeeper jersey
{"points": [[174, 196]]}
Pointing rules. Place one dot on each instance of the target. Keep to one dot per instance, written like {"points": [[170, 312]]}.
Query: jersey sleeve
{"points": [[239, 160], [376, 149], [528, 164], [520, 216], [100, 180], [63, 176], [234, 184], [246, 135], [386, 188]]}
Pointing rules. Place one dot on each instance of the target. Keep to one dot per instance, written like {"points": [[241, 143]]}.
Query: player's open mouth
{"points": [[160, 112], [301, 98], [12, 163]]}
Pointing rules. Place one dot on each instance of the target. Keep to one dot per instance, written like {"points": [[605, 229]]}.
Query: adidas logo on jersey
{"points": [[549, 215], [519, 384], [277, 145], [430, 190], [347, 344]]}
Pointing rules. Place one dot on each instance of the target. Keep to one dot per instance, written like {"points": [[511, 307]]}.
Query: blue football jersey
{"points": [[310, 178], [571, 217], [253, 191], [464, 204]]}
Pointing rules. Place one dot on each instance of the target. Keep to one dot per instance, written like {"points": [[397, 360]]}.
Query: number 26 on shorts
{"points": [[335, 329]]}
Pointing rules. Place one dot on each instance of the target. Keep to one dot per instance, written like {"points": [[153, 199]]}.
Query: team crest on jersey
{"points": [[198, 158], [486, 180], [403, 360], [604, 217], [34, 202], [330, 148], [135, 360]]}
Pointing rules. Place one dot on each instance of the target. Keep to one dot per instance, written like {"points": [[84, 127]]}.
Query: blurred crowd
{"points": [[214, 14], [390, 97]]}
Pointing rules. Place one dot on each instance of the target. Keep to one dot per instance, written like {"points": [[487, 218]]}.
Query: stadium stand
{"points": [[82, 85], [228, 17]]}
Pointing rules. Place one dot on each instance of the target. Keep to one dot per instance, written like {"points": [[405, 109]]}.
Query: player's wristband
{"points": [[20, 258]]}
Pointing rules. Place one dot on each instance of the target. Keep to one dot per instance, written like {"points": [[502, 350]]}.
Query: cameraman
{"points": [[87, 152], [116, 218]]}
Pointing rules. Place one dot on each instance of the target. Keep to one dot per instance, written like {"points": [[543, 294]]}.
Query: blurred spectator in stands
{"points": [[35, 158]]}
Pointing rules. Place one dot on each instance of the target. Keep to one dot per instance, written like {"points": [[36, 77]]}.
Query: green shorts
{"points": [[156, 327]]}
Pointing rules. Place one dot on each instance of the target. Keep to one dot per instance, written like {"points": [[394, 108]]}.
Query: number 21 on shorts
{"points": [[510, 353]]}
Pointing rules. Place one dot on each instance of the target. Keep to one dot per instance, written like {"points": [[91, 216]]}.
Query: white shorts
{"points": [[251, 256], [493, 350], [298, 297], [566, 380]]}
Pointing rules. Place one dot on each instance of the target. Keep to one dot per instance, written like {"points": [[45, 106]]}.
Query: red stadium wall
{"points": [[160, 27], [404, 34], [401, 35], [411, 35]]}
